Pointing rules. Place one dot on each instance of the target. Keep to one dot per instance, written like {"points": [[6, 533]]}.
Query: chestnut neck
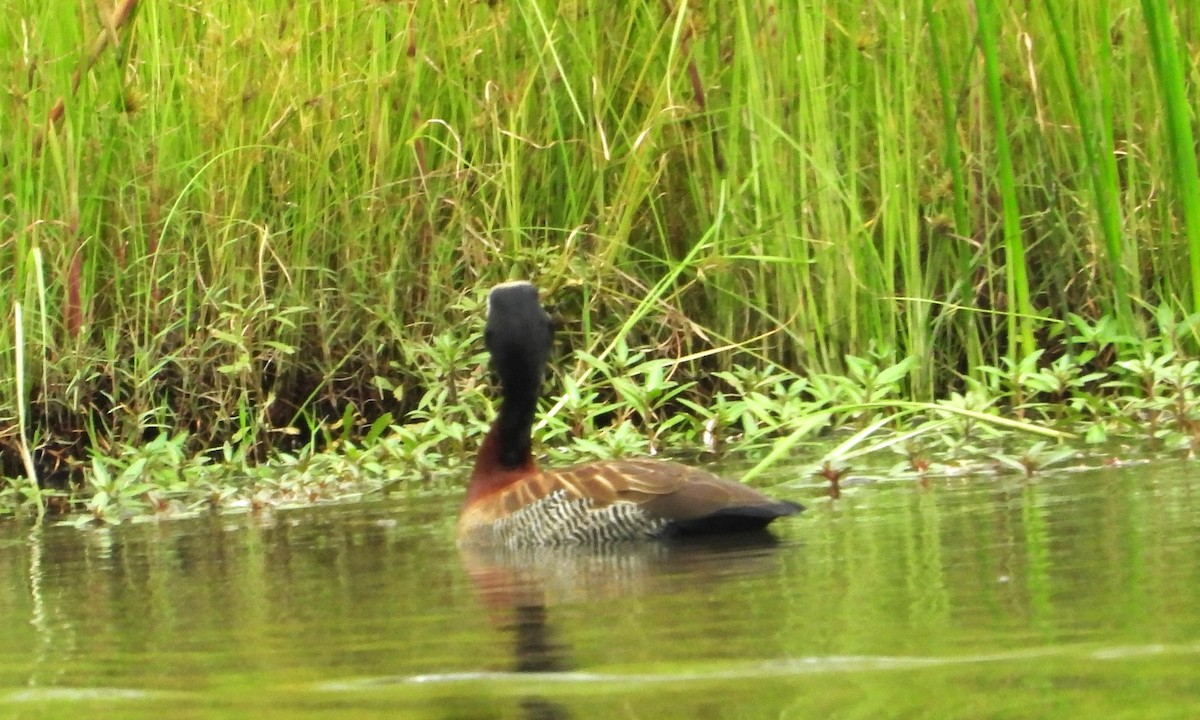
{"points": [[506, 454]]}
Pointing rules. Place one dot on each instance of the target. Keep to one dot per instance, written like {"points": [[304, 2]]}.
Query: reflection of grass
{"points": [[245, 230]]}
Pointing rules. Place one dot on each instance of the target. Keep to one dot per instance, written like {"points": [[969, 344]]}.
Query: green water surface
{"points": [[1074, 595]]}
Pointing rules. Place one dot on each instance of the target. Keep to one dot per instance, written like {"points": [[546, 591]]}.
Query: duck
{"points": [[512, 502]]}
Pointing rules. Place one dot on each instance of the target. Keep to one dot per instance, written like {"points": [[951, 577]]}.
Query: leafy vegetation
{"points": [[1023, 417], [246, 245]]}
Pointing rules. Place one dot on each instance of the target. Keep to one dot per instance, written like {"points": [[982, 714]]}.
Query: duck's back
{"points": [[616, 500]]}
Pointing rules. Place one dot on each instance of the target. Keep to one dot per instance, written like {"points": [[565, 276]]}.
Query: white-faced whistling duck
{"points": [[512, 502]]}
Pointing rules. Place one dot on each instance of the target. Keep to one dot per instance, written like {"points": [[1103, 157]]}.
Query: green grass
{"points": [[250, 220]]}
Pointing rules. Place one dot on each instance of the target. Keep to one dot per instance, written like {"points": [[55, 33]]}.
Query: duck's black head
{"points": [[519, 335]]}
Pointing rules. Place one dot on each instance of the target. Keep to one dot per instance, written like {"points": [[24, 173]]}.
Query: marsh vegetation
{"points": [[246, 245]]}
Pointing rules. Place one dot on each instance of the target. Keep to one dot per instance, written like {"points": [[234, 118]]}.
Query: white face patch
{"points": [[503, 286]]}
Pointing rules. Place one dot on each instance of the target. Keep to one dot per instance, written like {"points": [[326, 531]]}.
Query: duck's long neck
{"points": [[513, 429], [506, 455]]}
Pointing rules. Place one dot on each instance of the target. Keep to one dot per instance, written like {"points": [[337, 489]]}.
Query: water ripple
{"points": [[766, 669]]}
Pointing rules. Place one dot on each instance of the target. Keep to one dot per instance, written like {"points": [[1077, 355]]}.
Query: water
{"points": [[1076, 595]]}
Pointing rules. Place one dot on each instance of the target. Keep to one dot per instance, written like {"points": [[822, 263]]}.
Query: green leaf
{"points": [[381, 423], [895, 373]]}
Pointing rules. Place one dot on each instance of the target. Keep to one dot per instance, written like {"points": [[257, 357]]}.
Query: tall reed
{"points": [[248, 213], [1177, 111]]}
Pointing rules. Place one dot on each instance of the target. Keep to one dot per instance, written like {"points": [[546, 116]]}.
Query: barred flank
{"points": [[560, 519]]}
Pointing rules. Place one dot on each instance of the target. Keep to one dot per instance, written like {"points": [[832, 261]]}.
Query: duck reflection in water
{"points": [[520, 587], [536, 652]]}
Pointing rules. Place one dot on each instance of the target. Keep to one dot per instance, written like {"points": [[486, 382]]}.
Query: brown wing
{"points": [[594, 482], [687, 496]]}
